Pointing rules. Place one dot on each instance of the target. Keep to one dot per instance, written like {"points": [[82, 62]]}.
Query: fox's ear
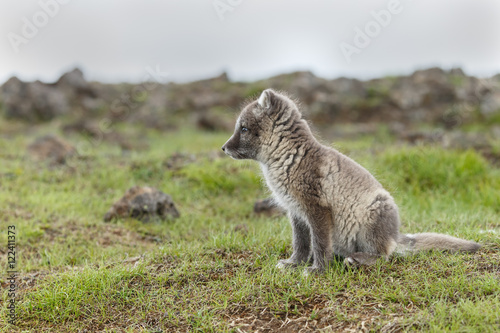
{"points": [[267, 99]]}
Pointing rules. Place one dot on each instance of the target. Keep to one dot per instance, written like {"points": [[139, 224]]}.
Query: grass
{"points": [[200, 273]]}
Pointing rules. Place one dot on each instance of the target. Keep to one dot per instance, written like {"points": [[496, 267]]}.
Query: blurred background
{"points": [[403, 66]]}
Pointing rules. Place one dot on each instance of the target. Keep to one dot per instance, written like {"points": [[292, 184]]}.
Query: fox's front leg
{"points": [[321, 224], [301, 243]]}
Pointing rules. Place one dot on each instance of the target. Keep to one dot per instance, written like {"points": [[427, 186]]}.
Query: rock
{"points": [[32, 101], [423, 89], [143, 203], [52, 149], [349, 86], [457, 72], [268, 207], [350, 131], [300, 84], [204, 94], [82, 96], [38, 101], [74, 82], [435, 96], [179, 160], [490, 104]]}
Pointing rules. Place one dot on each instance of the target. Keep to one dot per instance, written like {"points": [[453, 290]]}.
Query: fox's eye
{"points": [[244, 129]]}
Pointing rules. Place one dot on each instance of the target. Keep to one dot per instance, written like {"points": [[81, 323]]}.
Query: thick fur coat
{"points": [[335, 206]]}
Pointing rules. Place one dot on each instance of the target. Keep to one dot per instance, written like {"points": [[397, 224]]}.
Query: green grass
{"points": [[198, 273]]}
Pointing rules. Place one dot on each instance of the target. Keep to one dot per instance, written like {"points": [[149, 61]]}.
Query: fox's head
{"points": [[262, 126]]}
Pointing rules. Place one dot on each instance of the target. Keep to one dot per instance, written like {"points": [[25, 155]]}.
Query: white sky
{"points": [[115, 40]]}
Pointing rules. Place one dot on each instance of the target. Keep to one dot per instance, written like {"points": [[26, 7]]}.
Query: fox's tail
{"points": [[433, 241]]}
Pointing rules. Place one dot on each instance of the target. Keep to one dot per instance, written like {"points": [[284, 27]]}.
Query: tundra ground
{"points": [[213, 269]]}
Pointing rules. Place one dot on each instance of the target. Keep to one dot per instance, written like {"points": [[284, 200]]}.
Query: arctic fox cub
{"points": [[335, 206]]}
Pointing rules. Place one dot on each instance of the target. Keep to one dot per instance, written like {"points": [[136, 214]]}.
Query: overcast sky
{"points": [[117, 40]]}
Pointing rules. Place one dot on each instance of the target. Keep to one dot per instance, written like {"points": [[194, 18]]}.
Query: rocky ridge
{"points": [[436, 96]]}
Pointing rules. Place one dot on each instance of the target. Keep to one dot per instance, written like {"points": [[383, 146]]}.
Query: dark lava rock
{"points": [[52, 149], [32, 101], [39, 101], [179, 160], [143, 203], [74, 83]]}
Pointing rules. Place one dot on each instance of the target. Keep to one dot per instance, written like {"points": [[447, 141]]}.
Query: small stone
{"points": [[143, 203], [52, 149]]}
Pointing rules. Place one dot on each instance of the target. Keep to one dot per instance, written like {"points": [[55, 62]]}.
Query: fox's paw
{"points": [[359, 259], [351, 262], [286, 263]]}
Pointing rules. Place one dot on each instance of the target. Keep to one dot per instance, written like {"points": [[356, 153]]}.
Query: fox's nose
{"points": [[223, 149]]}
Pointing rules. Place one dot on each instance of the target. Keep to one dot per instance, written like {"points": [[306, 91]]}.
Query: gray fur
{"points": [[336, 207]]}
